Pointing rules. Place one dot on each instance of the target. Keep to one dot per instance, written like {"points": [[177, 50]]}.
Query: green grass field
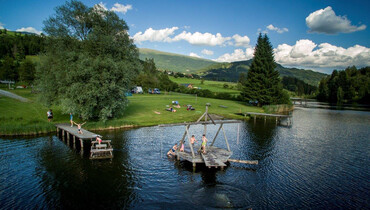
{"points": [[18, 118], [214, 86]]}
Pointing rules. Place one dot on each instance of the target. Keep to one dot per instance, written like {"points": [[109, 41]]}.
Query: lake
{"points": [[320, 162]]}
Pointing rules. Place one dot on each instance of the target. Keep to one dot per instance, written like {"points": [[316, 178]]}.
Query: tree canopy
{"points": [[89, 61], [349, 85], [262, 83]]}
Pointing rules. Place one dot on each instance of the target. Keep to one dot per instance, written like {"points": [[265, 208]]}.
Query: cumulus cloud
{"points": [[198, 38], [162, 35], [121, 8], [241, 41], [326, 21], [308, 54], [194, 55], [237, 55], [279, 30], [1, 25], [116, 7], [30, 30], [207, 52]]}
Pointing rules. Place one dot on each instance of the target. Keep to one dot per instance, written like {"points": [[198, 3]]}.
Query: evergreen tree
{"points": [[263, 82], [89, 61]]}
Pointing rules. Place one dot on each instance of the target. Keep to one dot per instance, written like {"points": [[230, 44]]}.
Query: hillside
{"points": [[175, 62], [211, 70], [230, 72]]}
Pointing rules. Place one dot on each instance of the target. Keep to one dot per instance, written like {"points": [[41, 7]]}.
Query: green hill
{"points": [[230, 72], [211, 70], [175, 62]]}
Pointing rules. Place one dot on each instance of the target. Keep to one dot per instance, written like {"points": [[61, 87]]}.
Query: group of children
{"points": [[171, 152]]}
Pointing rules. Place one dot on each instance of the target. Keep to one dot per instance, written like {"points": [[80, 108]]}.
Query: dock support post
{"points": [[57, 132], [276, 120], [82, 146], [254, 119], [265, 119], [74, 142], [68, 138], [63, 135], [194, 166]]}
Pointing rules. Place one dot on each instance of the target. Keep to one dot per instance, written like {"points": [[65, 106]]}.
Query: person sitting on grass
{"points": [[79, 127], [171, 153], [171, 109]]}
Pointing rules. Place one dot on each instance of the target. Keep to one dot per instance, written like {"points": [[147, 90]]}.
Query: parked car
{"points": [[154, 91]]}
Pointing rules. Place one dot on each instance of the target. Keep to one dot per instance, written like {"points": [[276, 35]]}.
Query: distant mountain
{"points": [[175, 62], [212, 70], [230, 72]]}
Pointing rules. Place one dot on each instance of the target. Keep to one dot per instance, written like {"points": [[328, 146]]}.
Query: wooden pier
{"points": [[277, 117], [84, 142]]}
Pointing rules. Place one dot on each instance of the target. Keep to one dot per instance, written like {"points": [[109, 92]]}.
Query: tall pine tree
{"points": [[263, 82]]}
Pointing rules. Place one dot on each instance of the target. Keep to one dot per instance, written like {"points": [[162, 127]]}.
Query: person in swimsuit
{"points": [[71, 119], [192, 140], [172, 151], [182, 147], [98, 138], [79, 126], [204, 143]]}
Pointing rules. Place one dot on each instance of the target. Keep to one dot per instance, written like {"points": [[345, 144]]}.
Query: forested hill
{"points": [[175, 62], [219, 71], [231, 71]]}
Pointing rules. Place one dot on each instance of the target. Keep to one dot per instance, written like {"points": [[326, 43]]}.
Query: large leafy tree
{"points": [[89, 61], [263, 83]]}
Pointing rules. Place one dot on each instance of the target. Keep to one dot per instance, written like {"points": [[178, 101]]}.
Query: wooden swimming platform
{"points": [[277, 117], [82, 142], [214, 157]]}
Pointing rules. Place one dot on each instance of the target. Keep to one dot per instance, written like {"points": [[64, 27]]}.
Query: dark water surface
{"points": [[321, 162]]}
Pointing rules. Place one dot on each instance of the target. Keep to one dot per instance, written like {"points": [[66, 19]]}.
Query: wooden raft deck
{"points": [[215, 157]]}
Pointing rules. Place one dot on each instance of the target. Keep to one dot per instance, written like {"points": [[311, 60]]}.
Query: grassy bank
{"points": [[20, 118]]}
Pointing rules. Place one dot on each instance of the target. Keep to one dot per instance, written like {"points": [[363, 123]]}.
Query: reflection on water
{"points": [[321, 161]]}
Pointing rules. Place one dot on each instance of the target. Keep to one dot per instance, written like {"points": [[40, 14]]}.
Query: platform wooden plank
{"points": [[211, 160], [73, 130]]}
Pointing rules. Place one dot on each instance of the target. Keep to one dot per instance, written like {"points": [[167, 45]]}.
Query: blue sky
{"points": [[319, 35]]}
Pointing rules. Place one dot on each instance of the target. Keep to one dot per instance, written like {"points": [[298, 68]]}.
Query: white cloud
{"points": [[198, 38], [306, 53], [162, 35], [237, 55], [194, 55], [121, 8], [1, 25], [207, 52], [30, 30], [326, 21], [241, 41], [279, 30], [99, 6]]}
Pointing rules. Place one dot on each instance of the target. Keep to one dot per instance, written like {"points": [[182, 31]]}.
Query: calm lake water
{"points": [[320, 162]]}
